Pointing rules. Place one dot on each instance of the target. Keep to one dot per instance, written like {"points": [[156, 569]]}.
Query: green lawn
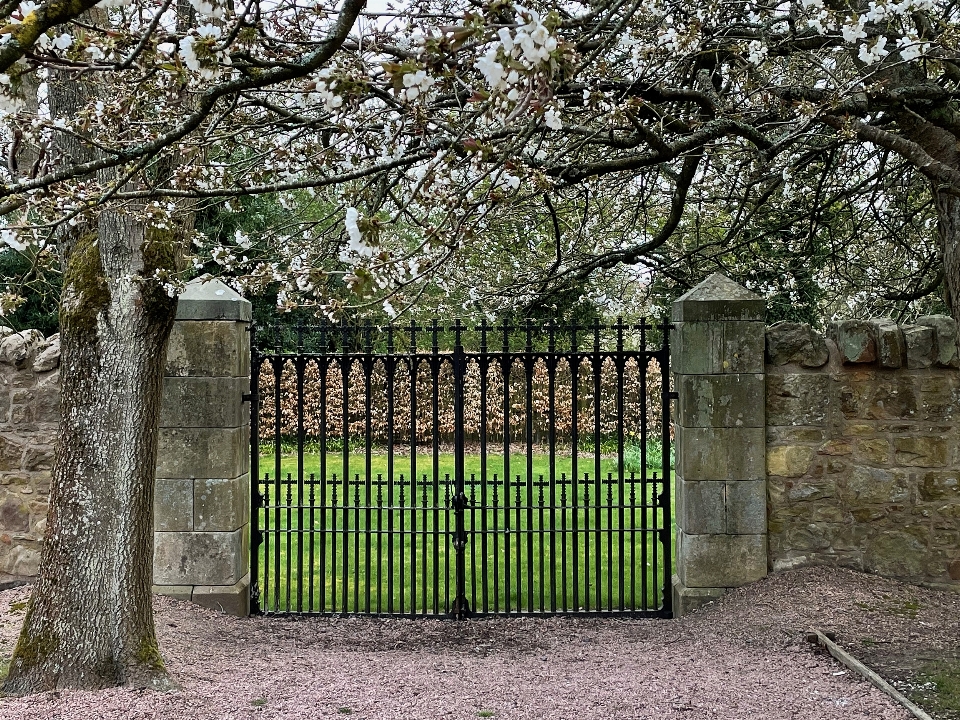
{"points": [[374, 547]]}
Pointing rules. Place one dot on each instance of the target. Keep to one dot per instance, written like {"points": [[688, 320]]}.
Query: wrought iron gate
{"points": [[499, 470]]}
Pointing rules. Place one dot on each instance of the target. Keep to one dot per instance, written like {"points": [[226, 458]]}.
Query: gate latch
{"points": [[460, 501]]}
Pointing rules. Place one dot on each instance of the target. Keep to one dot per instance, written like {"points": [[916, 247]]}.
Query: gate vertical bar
{"points": [[300, 367], [528, 366], [620, 367], [256, 498], [277, 494], [367, 365], [390, 368], [461, 607], [664, 500], [323, 367]]}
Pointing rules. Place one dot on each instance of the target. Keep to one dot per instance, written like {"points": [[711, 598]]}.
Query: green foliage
{"points": [[41, 292], [632, 457]]}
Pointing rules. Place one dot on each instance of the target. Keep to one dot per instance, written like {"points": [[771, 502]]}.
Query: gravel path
{"points": [[742, 657]]}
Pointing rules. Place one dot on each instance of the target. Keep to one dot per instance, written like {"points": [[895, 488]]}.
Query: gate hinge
{"points": [[246, 397], [673, 395]]}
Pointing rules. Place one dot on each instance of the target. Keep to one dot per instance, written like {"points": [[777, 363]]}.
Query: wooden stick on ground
{"points": [[851, 662]]}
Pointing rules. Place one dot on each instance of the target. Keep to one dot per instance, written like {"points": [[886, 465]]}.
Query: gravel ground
{"points": [[742, 657]]}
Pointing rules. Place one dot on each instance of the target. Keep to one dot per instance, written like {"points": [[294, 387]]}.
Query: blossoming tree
{"points": [[429, 124]]}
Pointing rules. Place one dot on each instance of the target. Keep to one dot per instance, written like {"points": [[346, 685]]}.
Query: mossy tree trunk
{"points": [[89, 623]]}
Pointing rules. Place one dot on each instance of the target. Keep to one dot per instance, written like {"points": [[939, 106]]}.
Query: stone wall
{"points": [[202, 501], [29, 413], [863, 448]]}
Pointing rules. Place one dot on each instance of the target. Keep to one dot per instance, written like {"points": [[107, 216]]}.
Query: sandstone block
{"points": [[797, 398], [201, 452], [791, 562], [721, 453], [177, 592], [208, 298], [808, 538], [790, 460], [855, 391], [920, 451], [874, 450], [230, 599], [721, 400], [221, 505], [857, 429], [895, 554], [719, 298], [715, 561], [787, 435], [11, 453], [798, 343], [855, 341], [49, 357], [891, 349], [868, 485], [38, 457], [746, 506], [20, 348], [14, 515], [921, 342], [215, 348], [939, 395], [46, 400], [198, 558], [839, 446], [173, 505], [703, 348], [945, 328], [22, 561], [701, 506], [936, 486], [810, 491], [894, 396], [198, 402], [687, 600]]}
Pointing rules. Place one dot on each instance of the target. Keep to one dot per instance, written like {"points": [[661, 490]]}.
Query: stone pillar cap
{"points": [[208, 298], [719, 298]]}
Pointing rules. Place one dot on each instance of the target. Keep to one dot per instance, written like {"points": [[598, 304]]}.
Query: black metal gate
{"points": [[454, 471]]}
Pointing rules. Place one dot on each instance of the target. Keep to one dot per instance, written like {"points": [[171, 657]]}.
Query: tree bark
{"points": [[89, 623], [944, 146], [948, 211]]}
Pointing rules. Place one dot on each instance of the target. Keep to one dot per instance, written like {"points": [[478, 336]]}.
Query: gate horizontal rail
{"points": [[370, 503]]}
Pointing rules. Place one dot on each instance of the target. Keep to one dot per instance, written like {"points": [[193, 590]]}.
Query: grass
{"points": [[936, 688], [386, 546]]}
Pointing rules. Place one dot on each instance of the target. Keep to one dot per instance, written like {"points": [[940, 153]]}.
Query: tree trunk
{"points": [[948, 211], [89, 623]]}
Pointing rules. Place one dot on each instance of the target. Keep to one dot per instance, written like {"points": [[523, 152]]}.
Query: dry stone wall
{"points": [[863, 448], [29, 413]]}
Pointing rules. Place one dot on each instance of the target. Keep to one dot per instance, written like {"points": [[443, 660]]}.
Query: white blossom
{"points": [[552, 119], [9, 237], [207, 8], [853, 31], [874, 54], [911, 49]]}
